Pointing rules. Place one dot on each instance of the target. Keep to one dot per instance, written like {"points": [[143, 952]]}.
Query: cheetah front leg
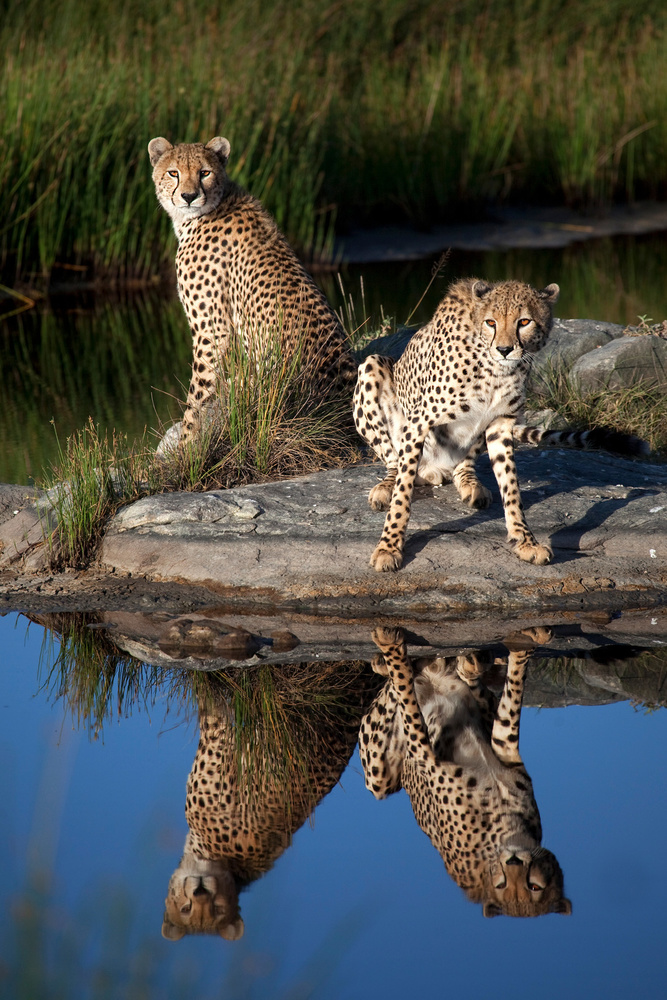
{"points": [[388, 554], [468, 486], [501, 453], [376, 410], [200, 393], [505, 732], [210, 343], [391, 643]]}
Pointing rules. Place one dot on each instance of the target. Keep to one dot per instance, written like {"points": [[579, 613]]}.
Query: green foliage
{"points": [[93, 476], [363, 111], [633, 410], [271, 418]]}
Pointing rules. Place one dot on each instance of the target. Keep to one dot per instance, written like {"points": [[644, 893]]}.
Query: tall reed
{"points": [[355, 110]]}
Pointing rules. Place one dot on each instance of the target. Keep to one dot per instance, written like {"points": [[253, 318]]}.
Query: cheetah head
{"points": [[190, 178], [512, 318], [525, 883], [202, 899]]}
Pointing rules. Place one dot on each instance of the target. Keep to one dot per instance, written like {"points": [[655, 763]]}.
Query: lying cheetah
{"points": [[242, 810], [447, 740], [460, 383], [236, 273]]}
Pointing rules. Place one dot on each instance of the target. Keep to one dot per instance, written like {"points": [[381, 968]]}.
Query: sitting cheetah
{"points": [[460, 382], [243, 809], [447, 740], [236, 273]]}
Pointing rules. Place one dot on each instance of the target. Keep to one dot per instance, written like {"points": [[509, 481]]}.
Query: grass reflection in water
{"points": [[282, 735], [126, 364]]}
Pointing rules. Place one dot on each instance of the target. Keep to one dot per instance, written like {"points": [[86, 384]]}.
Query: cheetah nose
{"points": [[514, 860], [501, 350], [201, 889], [189, 198]]}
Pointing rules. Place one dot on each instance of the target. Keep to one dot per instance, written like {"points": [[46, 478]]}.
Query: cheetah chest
{"points": [[458, 426]]}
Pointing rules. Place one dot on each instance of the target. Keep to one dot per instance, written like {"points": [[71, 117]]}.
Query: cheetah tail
{"points": [[596, 439]]}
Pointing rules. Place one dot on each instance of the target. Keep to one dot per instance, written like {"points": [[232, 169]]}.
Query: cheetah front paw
{"points": [[469, 668], [385, 639], [539, 634], [475, 495], [386, 560], [379, 497], [533, 552]]}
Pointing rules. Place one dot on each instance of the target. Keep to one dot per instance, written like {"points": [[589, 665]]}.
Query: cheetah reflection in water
{"points": [[256, 779], [442, 735]]}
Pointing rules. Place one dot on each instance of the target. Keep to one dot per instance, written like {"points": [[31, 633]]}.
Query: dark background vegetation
{"points": [[351, 112]]}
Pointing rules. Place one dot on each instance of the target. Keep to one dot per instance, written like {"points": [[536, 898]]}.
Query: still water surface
{"points": [[127, 362], [360, 905]]}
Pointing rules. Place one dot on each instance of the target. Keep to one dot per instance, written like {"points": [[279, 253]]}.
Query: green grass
{"points": [[357, 112], [633, 410], [93, 476], [271, 418]]}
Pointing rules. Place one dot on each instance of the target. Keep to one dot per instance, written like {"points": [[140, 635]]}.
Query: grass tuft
{"points": [[92, 477], [271, 418], [635, 409]]}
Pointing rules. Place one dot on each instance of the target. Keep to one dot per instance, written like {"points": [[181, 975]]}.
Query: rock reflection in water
{"points": [[273, 742], [436, 730], [275, 737]]}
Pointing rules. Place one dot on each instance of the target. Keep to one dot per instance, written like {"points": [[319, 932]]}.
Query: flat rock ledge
{"points": [[304, 545]]}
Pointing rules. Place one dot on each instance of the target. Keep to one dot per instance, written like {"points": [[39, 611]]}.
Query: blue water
{"points": [[359, 906]]}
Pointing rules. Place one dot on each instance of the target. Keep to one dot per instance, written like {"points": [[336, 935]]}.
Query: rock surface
{"points": [[512, 226], [304, 544], [623, 362]]}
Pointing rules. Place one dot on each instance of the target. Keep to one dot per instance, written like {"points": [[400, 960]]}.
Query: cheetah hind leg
{"points": [[434, 467], [377, 413], [469, 668]]}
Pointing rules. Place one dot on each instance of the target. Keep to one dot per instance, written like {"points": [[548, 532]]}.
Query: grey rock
{"points": [[606, 519], [511, 227], [186, 508], [571, 338], [391, 345], [622, 363], [306, 543]]}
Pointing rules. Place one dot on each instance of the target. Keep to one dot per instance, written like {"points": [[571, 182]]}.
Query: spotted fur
{"points": [[242, 813], [459, 385], [236, 273], [444, 737]]}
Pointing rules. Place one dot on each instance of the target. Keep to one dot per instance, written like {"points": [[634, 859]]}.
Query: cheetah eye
{"points": [[524, 322], [491, 323], [534, 887], [204, 173], [173, 173]]}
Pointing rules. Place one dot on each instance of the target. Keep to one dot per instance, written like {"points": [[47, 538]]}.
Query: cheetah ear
{"points": [[172, 932], [156, 147], [565, 907], [480, 289], [232, 932], [220, 147], [550, 293], [492, 910]]}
